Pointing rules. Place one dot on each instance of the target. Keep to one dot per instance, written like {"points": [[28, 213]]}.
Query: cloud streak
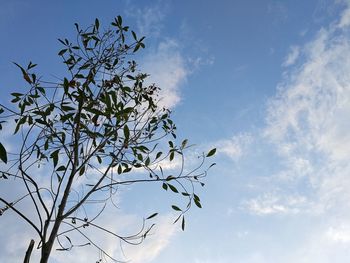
{"points": [[292, 56], [308, 129], [234, 147]]}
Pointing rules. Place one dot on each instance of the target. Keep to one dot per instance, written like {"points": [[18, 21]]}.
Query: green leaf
{"points": [[211, 152], [61, 41], [16, 100], [165, 186], [61, 53], [15, 94], [54, 157], [42, 90], [25, 74], [61, 168], [20, 123], [171, 157], [77, 27], [134, 35], [67, 108], [183, 223], [120, 20], [120, 169], [3, 153], [184, 143], [158, 155], [126, 132], [173, 188], [136, 47], [31, 65], [170, 177], [97, 23], [151, 216], [196, 197], [82, 171], [175, 208], [65, 85], [197, 202]]}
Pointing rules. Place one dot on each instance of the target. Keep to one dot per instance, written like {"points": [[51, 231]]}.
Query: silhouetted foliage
{"points": [[97, 124]]}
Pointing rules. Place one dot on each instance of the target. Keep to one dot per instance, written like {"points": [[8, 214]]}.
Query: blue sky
{"points": [[266, 82]]}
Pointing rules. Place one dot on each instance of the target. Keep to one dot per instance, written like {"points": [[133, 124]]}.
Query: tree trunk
{"points": [[47, 246], [29, 252]]}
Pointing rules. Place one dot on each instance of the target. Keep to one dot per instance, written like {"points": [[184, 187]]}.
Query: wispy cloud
{"points": [[271, 203], [167, 68], [167, 63], [149, 20], [308, 124], [235, 147], [340, 233], [292, 56]]}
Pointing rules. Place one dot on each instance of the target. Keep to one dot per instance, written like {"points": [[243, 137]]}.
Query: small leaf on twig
{"points": [[3, 153]]}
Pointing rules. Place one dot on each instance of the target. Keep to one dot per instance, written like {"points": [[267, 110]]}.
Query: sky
{"points": [[265, 82]]}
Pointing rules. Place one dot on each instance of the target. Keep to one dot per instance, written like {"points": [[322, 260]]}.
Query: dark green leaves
{"points": [[158, 155], [97, 24], [176, 208], [86, 121], [120, 20], [54, 157], [3, 153], [61, 168], [211, 152], [173, 188], [24, 73], [171, 156], [82, 171], [184, 143], [20, 122], [151, 216], [61, 53], [197, 201], [17, 97], [126, 133]]}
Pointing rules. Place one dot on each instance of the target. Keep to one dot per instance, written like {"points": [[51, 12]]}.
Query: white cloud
{"points": [[167, 68], [16, 242], [345, 17], [308, 124], [200, 61], [235, 147], [271, 203], [323, 244], [292, 56], [340, 233], [148, 19]]}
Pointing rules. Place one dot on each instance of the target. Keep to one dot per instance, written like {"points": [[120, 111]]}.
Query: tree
{"points": [[98, 124]]}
